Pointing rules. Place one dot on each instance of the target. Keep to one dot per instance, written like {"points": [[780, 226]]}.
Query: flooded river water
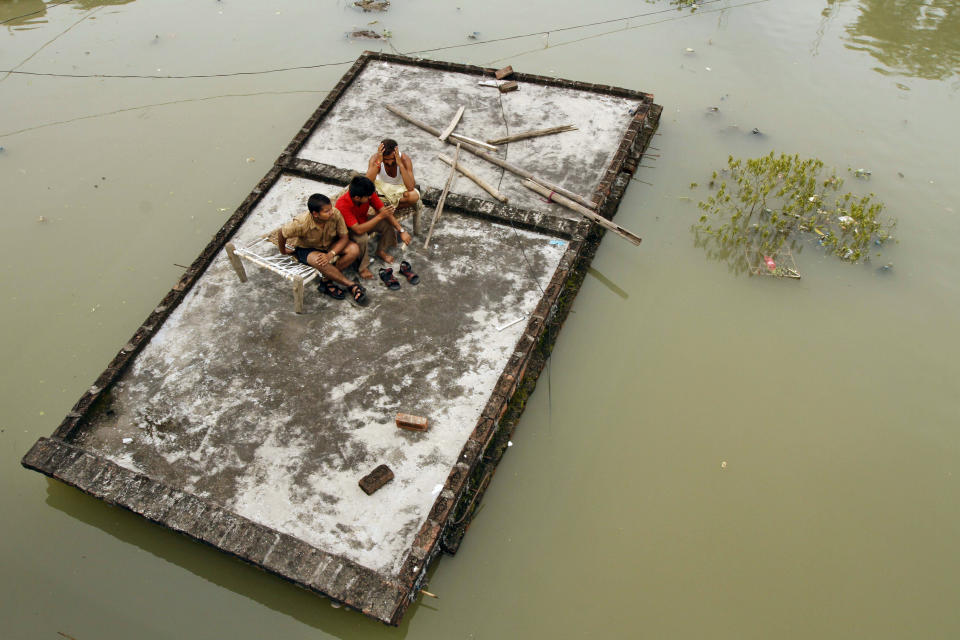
{"points": [[707, 455]]}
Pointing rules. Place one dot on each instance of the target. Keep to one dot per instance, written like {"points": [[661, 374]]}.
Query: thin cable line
{"points": [[32, 13], [51, 41], [639, 26], [344, 62], [157, 104]]}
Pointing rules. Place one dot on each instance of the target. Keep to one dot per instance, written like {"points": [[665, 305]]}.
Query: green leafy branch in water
{"points": [[765, 202]]}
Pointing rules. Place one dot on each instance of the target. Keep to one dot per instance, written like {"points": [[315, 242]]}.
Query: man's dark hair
{"points": [[389, 144], [317, 202], [361, 186]]}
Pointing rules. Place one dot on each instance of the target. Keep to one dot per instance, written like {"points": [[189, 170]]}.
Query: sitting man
{"points": [[320, 239], [354, 205], [392, 174]]}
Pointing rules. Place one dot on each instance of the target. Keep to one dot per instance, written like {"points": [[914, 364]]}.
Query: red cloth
{"points": [[352, 214]]}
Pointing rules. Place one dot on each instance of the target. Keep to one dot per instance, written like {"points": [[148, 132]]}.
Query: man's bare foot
{"points": [[366, 274], [386, 257]]}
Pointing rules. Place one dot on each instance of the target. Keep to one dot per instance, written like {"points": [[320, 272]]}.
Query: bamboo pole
{"points": [[443, 196], [573, 206], [523, 173], [533, 134], [452, 125], [483, 184], [473, 141]]}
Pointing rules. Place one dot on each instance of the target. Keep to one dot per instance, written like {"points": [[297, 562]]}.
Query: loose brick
{"points": [[411, 422], [376, 479]]}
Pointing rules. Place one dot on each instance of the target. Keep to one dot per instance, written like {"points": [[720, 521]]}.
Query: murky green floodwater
{"points": [[833, 400]]}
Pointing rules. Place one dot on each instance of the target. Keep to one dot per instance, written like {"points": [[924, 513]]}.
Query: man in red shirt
{"points": [[354, 206]]}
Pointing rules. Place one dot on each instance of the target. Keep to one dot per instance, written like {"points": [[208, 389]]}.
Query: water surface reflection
{"points": [[29, 14], [919, 38]]}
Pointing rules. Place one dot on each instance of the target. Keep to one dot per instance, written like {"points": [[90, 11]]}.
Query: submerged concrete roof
{"points": [[575, 159], [277, 415], [232, 419]]}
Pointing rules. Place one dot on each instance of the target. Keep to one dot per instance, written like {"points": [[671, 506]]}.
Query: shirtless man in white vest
{"points": [[392, 174]]}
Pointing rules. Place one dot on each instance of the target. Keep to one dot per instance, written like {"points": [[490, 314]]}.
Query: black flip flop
{"points": [[386, 275], [358, 295], [408, 273], [330, 289]]}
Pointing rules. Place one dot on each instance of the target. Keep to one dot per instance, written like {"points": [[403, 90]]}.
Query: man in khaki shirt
{"points": [[319, 238]]}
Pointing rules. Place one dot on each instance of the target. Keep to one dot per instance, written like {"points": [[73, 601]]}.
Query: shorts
{"points": [[301, 253]]}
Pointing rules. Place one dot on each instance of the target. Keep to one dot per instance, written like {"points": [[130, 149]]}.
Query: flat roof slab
{"points": [[276, 416], [234, 420], [575, 160]]}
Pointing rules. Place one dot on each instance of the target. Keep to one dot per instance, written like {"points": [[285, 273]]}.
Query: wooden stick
{"points": [[474, 141], [523, 173], [483, 184], [452, 125], [533, 134], [235, 262], [298, 294], [573, 206], [427, 593], [443, 196]]}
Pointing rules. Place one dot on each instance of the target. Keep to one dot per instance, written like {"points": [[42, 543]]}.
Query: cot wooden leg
{"points": [[298, 294], [235, 261]]}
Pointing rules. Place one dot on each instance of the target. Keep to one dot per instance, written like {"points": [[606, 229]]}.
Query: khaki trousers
{"points": [[388, 240]]}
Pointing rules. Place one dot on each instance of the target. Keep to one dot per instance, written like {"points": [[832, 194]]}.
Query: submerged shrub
{"points": [[763, 203]]}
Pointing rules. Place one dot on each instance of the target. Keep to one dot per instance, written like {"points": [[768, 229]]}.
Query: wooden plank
{"points": [[453, 124], [523, 173], [235, 262], [553, 196], [376, 479], [483, 184], [507, 87], [500, 74], [443, 196], [533, 134]]}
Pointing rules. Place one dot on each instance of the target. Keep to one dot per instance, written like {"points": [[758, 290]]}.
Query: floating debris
{"points": [[474, 35], [762, 264], [723, 465], [42, 219], [367, 34], [885, 268], [756, 132], [372, 5], [862, 173], [689, 50], [713, 109]]}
